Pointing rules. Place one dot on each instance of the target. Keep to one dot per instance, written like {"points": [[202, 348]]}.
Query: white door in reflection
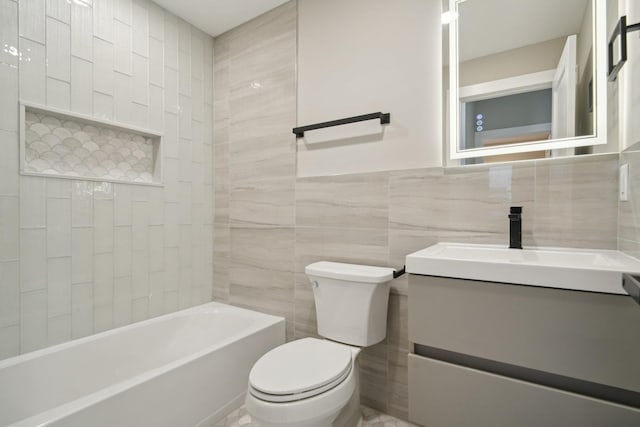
{"points": [[563, 109]]}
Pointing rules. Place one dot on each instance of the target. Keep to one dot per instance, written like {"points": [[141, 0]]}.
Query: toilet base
{"points": [[350, 416]]}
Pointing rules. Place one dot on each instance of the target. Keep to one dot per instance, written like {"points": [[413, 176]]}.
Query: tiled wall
{"points": [[270, 224], [78, 257], [61, 146], [629, 213]]}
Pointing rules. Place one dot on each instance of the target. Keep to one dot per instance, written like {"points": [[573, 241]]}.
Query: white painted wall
{"points": [[364, 56]]}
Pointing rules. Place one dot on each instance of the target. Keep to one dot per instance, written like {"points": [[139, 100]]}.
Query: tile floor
{"points": [[370, 418]]}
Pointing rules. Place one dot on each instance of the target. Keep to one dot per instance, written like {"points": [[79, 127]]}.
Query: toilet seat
{"points": [[300, 369]]}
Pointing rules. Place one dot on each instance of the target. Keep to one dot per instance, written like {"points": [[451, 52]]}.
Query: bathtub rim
{"points": [[57, 413]]}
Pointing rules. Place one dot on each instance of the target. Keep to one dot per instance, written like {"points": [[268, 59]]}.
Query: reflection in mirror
{"points": [[525, 73]]}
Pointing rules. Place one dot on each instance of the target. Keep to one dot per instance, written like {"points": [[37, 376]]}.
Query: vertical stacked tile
{"points": [[258, 73], [33, 264], [221, 234], [59, 260], [97, 255], [10, 300]]}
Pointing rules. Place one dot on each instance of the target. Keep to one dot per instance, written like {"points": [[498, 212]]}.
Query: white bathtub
{"points": [[187, 368]]}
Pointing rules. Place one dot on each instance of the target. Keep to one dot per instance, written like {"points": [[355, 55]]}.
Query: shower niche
{"points": [[62, 144]]}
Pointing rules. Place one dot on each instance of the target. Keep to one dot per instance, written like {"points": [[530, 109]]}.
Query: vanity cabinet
{"points": [[493, 354]]}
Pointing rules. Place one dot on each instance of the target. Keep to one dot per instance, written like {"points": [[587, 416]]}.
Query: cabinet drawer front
{"points": [[446, 395], [588, 336]]}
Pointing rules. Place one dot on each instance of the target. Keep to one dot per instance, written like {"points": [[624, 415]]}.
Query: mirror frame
{"points": [[599, 137]]}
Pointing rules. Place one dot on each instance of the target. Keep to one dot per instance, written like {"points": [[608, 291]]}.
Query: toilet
{"points": [[313, 382]]}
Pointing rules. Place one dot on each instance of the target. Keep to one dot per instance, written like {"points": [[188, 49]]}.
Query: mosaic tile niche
{"points": [[67, 146]]}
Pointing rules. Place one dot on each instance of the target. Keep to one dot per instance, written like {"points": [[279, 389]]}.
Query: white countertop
{"points": [[563, 268]]}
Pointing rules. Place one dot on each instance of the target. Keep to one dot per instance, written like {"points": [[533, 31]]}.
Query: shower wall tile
{"points": [[9, 228], [140, 309], [103, 12], [58, 329], [139, 115], [31, 18], [170, 90], [123, 89], [33, 259], [9, 181], [9, 98], [82, 32], [140, 80], [184, 36], [58, 286], [9, 294], [122, 11], [81, 85], [122, 301], [102, 319], [122, 48], [103, 65], [9, 341], [59, 189], [33, 320], [103, 280], [185, 115], [58, 50], [80, 257], [32, 72], [82, 204], [140, 18], [171, 41], [81, 310], [102, 105], [156, 62], [58, 227], [184, 77], [58, 9], [156, 22], [58, 94]]}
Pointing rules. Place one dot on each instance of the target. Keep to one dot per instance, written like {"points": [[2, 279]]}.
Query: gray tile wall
{"points": [[629, 212], [270, 224]]}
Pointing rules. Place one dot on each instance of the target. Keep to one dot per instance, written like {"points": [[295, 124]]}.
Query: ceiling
{"points": [[214, 17]]}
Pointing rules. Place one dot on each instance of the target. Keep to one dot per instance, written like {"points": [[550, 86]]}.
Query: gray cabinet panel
{"points": [[590, 336], [446, 395]]}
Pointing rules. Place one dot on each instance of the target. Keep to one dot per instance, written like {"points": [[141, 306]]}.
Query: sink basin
{"points": [[562, 268]]}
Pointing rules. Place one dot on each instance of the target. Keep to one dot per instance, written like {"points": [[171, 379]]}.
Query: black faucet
{"points": [[515, 227]]}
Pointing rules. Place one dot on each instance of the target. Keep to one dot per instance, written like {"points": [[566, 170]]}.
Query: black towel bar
{"points": [[385, 118]]}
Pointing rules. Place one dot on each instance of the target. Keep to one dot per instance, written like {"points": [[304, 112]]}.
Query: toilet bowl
{"points": [[320, 380], [313, 382]]}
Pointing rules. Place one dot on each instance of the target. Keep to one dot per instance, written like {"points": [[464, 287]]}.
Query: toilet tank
{"points": [[351, 301]]}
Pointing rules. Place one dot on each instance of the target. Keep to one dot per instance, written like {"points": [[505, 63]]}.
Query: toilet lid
{"points": [[299, 368]]}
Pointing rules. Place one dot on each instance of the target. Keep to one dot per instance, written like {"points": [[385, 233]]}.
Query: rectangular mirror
{"points": [[527, 78]]}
